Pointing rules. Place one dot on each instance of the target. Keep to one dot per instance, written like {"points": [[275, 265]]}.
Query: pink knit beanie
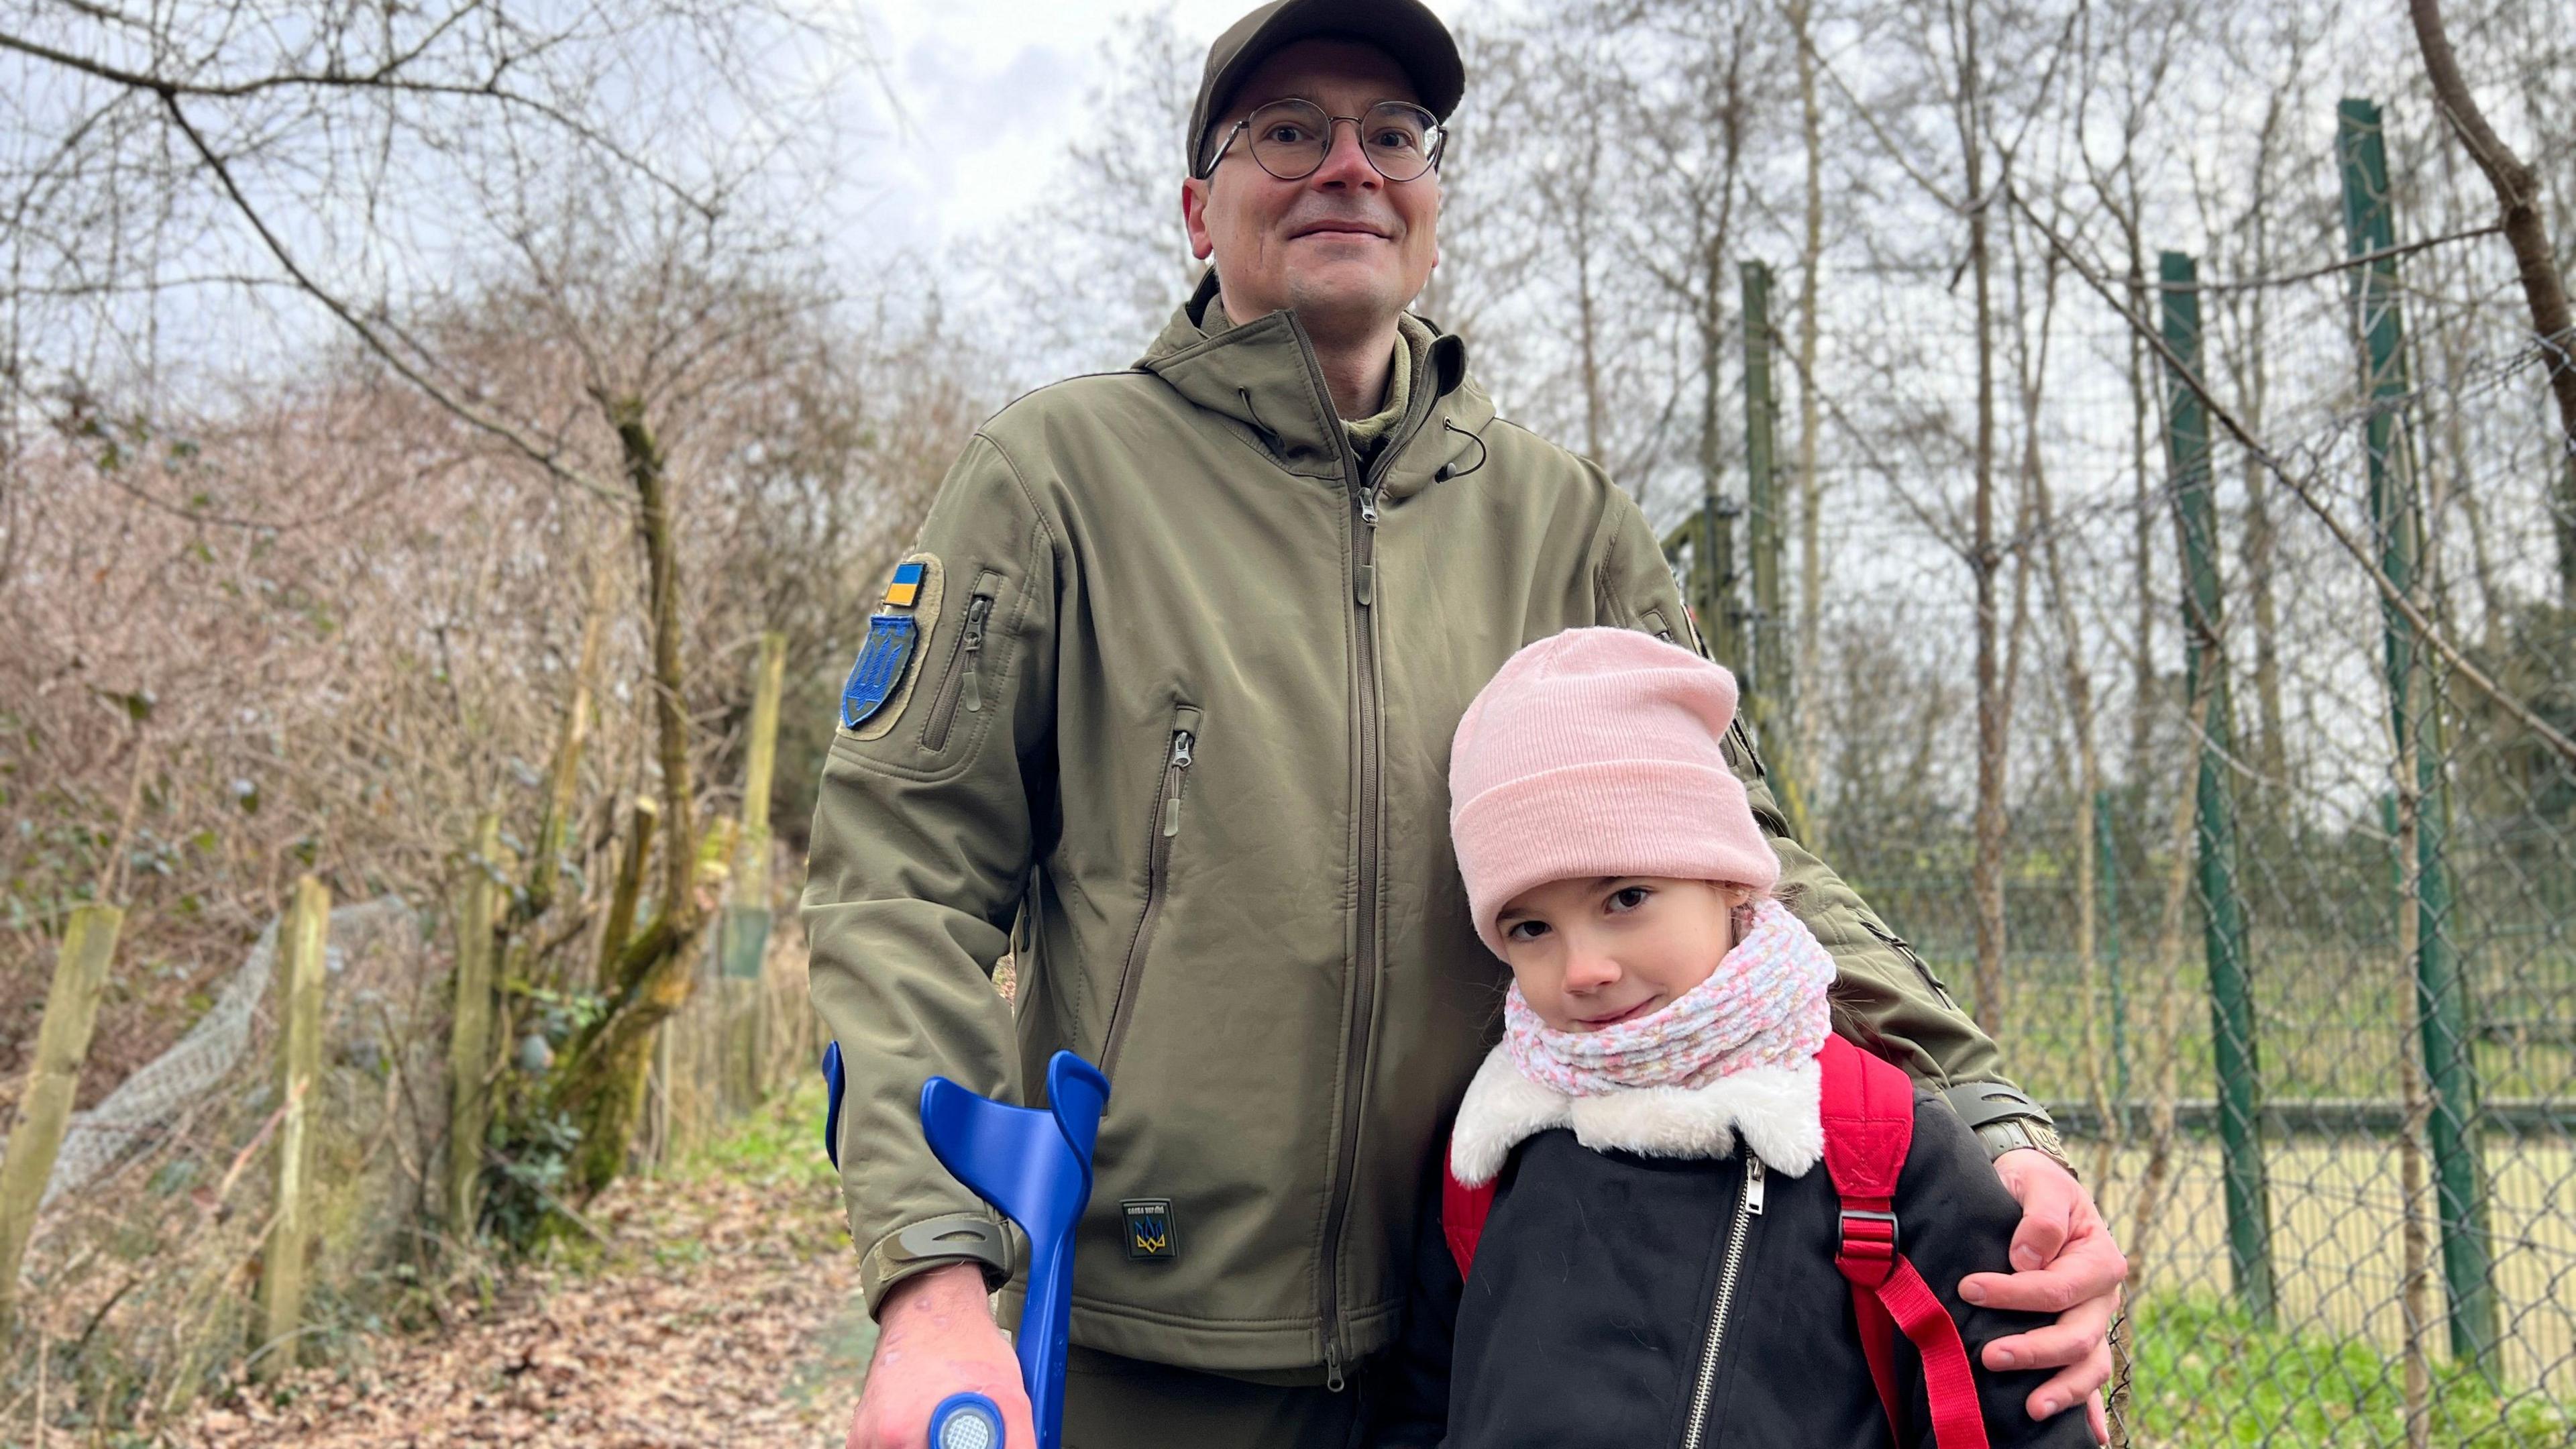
{"points": [[1596, 753]]}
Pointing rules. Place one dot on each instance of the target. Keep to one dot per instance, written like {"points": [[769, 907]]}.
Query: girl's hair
{"points": [[1842, 1005]]}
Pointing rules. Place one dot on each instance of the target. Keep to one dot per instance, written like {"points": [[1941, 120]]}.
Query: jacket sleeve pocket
{"points": [[922, 840], [1633, 586]]}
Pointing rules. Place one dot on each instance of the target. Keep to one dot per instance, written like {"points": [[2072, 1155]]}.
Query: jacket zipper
{"points": [[1369, 768], [1158, 869], [1748, 1206], [965, 681]]}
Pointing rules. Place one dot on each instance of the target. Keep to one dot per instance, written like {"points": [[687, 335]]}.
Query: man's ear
{"points": [[1194, 200]]}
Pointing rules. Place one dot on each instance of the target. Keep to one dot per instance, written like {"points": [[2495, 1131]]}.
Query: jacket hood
{"points": [[1258, 376]]}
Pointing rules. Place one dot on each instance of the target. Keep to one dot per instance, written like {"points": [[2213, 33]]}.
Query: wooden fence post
{"points": [[302, 938], [45, 1108], [469, 1040], [743, 939]]}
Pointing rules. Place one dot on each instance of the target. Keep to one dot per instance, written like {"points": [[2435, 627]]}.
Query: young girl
{"points": [[1639, 1237]]}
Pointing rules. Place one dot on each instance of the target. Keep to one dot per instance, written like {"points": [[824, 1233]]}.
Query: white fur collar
{"points": [[1775, 1109]]}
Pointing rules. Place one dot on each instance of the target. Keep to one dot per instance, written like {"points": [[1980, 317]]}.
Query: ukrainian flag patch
{"points": [[906, 586], [896, 650]]}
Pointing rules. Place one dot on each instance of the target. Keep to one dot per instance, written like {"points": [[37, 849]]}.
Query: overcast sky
{"points": [[991, 89]]}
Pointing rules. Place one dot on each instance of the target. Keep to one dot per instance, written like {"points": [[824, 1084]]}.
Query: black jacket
{"points": [[1588, 1315]]}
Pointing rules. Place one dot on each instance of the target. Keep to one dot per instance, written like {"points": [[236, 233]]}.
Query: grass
{"points": [[2326, 1021], [2205, 1375], [778, 1145]]}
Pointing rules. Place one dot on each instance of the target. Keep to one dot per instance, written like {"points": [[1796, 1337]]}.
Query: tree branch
{"points": [[2544, 290], [500, 428], [2303, 489], [382, 79]]}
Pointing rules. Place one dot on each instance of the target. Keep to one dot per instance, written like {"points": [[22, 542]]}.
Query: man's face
{"points": [[1345, 248]]}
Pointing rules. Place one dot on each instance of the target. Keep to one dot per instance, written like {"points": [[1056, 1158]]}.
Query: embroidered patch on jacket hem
{"points": [[1149, 1229]]}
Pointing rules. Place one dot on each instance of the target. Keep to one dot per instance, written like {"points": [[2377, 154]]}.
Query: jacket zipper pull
{"points": [[1364, 578], [1752, 1183], [1332, 1368], [973, 644], [1182, 741]]}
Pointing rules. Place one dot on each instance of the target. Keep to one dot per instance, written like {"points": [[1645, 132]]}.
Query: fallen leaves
{"points": [[701, 1322]]}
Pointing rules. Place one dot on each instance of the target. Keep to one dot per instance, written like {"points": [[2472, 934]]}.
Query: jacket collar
{"points": [[1261, 377], [1774, 1109]]}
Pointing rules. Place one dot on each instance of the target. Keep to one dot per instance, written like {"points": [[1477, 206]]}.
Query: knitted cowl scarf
{"points": [[1763, 1006]]}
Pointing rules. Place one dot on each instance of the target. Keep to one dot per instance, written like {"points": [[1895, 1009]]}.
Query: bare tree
{"points": [[1096, 262], [241, 152], [2521, 205], [1683, 130], [1811, 266]]}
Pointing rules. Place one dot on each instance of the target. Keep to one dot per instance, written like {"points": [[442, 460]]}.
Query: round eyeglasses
{"points": [[1291, 138]]}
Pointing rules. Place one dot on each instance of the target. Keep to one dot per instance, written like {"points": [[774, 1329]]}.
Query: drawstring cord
{"points": [[1450, 470], [1271, 440]]}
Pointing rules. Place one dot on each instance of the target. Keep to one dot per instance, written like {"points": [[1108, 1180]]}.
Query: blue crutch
{"points": [[1035, 1166]]}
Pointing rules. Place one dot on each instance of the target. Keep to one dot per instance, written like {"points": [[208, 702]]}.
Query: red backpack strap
{"points": [[1868, 1110], [1463, 1210]]}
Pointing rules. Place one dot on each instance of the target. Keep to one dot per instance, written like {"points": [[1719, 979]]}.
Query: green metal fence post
{"points": [[1719, 612], [1774, 691], [1762, 504], [1708, 579], [2441, 988], [2106, 875], [2231, 998]]}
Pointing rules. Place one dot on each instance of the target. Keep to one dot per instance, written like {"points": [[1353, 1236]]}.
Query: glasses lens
{"points": [[1289, 138], [1400, 139]]}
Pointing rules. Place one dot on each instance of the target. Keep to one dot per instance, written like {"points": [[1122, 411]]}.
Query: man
{"points": [[1166, 694]]}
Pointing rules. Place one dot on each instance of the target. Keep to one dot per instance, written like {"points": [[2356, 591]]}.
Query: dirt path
{"points": [[721, 1310]]}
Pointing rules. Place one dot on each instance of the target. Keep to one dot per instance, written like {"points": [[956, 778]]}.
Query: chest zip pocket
{"points": [[963, 685], [1177, 757]]}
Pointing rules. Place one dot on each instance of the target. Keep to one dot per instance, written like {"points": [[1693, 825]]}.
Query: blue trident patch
{"points": [[879, 668], [1149, 1229]]}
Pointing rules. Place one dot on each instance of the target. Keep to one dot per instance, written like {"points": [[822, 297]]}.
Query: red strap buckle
{"points": [[1867, 1253]]}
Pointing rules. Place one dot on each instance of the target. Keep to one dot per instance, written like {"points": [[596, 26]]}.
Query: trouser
{"points": [[1125, 1403]]}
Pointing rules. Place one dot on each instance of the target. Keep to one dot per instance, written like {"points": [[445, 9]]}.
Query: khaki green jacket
{"points": [[1185, 698]]}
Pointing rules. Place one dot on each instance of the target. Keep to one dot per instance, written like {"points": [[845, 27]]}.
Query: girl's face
{"points": [[1594, 952]]}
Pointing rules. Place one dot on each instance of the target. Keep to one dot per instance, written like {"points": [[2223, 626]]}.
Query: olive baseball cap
{"points": [[1405, 29]]}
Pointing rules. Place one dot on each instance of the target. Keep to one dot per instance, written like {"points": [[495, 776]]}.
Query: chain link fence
{"points": [[2288, 939]]}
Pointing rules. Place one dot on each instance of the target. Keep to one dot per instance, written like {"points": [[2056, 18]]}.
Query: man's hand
{"points": [[935, 1337], [2065, 1263]]}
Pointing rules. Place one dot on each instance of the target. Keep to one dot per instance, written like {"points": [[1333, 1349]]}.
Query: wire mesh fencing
{"points": [[2293, 961], [142, 1276]]}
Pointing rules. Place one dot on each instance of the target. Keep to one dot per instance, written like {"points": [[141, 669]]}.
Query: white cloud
{"points": [[990, 90]]}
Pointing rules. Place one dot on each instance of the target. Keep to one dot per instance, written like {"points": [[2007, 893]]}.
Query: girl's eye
{"points": [[1629, 899], [1525, 930]]}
